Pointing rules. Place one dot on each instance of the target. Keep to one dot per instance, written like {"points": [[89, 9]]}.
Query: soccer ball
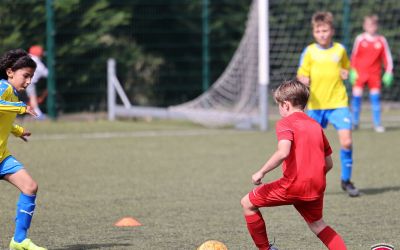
{"points": [[212, 245]]}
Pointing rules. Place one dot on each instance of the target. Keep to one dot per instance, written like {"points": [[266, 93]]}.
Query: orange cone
{"points": [[127, 222]]}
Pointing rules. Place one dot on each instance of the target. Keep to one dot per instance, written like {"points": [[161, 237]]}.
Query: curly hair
{"points": [[14, 60]]}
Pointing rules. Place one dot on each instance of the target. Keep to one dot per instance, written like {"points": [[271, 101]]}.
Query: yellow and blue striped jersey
{"points": [[323, 67], [10, 106]]}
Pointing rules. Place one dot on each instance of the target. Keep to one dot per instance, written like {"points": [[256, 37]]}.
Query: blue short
{"points": [[9, 165], [340, 118]]}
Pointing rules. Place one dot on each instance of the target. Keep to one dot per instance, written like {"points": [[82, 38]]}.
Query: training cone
{"points": [[127, 222]]}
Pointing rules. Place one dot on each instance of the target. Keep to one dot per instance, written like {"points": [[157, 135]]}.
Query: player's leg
{"points": [[328, 236], [346, 159], [356, 103], [346, 153], [374, 85], [20, 178], [26, 202], [255, 223], [265, 195], [375, 99], [312, 211], [341, 120]]}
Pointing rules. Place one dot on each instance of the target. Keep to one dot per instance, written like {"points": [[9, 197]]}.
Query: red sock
{"points": [[257, 230], [331, 239]]}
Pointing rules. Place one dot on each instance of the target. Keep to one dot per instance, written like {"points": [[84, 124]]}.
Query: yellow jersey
{"points": [[10, 106], [323, 67]]}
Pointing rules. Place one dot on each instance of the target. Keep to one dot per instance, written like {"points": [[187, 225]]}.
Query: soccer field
{"points": [[184, 183]]}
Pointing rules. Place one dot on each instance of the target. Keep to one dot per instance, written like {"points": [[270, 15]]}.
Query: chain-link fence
{"points": [[160, 45]]}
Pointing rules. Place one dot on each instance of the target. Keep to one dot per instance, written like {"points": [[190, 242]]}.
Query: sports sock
{"points": [[25, 208], [356, 108], [376, 108], [346, 159], [331, 239], [257, 230]]}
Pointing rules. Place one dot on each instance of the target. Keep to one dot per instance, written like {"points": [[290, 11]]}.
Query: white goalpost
{"points": [[238, 98], [263, 63]]}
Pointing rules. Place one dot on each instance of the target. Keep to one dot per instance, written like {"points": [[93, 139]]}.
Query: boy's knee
{"points": [[30, 188], [346, 143], [357, 91], [245, 202], [346, 140], [374, 91], [317, 226], [248, 207]]}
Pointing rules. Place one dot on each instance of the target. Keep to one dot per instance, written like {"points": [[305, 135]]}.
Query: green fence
{"points": [[169, 51]]}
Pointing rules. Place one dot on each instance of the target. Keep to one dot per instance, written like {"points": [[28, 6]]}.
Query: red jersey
{"points": [[369, 52], [304, 168]]}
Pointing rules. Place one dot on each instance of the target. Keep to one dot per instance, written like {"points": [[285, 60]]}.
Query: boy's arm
{"points": [[274, 161], [387, 56], [328, 153], [328, 163], [387, 78], [17, 130], [353, 74], [14, 107], [303, 72], [20, 132], [354, 52], [304, 80], [345, 66], [344, 74], [7, 106]]}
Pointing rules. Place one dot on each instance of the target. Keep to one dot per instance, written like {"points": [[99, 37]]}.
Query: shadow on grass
{"points": [[392, 128], [91, 246], [368, 191], [373, 191]]}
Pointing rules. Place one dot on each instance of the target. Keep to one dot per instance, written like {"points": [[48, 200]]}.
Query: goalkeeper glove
{"points": [[387, 79], [353, 76]]}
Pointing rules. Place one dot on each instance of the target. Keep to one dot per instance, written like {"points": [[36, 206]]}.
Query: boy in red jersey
{"points": [[370, 50], [306, 156]]}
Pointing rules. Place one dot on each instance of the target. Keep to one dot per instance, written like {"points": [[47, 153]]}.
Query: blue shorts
{"points": [[9, 165], [340, 118]]}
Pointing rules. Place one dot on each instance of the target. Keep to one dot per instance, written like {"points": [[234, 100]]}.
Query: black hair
{"points": [[15, 59]]}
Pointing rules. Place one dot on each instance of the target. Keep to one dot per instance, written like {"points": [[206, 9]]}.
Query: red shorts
{"points": [[273, 194], [373, 81]]}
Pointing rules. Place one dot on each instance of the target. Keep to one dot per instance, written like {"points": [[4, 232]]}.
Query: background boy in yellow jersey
{"points": [[16, 71], [323, 66]]}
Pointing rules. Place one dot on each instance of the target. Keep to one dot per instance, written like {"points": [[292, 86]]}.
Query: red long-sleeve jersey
{"points": [[369, 52]]}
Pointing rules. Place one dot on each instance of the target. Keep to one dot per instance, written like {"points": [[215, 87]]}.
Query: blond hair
{"points": [[322, 17], [374, 18], [292, 91]]}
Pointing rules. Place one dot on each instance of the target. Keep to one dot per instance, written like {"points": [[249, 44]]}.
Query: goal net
{"points": [[232, 100]]}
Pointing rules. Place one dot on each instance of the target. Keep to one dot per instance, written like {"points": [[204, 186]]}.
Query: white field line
{"points": [[153, 133]]}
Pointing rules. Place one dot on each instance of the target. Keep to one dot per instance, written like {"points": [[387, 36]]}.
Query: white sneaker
{"points": [[379, 129]]}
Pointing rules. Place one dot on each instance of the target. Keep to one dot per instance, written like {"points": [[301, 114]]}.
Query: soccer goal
{"points": [[237, 98]]}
